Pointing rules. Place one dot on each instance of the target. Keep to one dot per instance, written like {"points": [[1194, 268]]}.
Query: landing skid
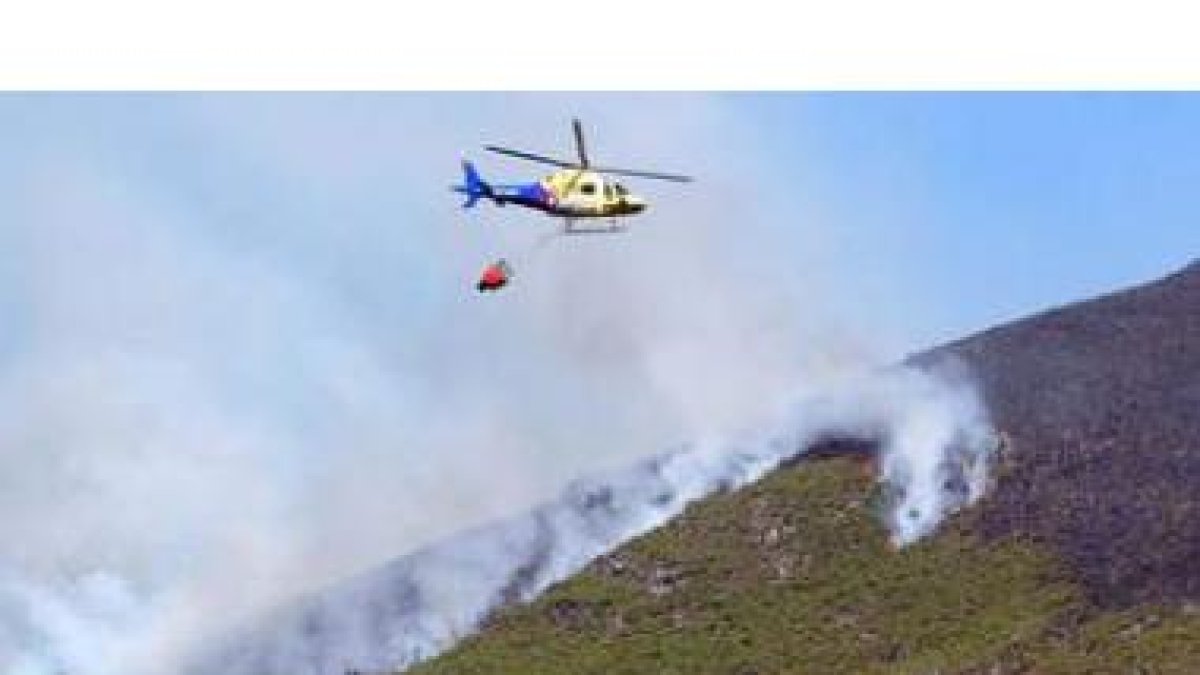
{"points": [[612, 227]]}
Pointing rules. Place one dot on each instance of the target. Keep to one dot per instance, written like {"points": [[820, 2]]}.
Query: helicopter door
{"points": [[610, 196]]}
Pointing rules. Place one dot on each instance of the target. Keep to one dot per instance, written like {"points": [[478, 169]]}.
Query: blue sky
{"points": [[1004, 203], [982, 207]]}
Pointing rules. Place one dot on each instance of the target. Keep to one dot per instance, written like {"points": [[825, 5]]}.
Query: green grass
{"points": [[1144, 640], [795, 575]]}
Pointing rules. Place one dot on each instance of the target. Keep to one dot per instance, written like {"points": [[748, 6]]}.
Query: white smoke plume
{"points": [[242, 360], [934, 444]]}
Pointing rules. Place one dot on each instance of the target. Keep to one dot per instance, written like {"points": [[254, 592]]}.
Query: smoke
{"points": [[243, 360], [935, 443]]}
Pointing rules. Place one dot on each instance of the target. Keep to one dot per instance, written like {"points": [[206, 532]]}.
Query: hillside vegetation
{"points": [[1084, 557], [795, 575]]}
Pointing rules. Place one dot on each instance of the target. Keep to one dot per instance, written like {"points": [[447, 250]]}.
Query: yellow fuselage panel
{"points": [[587, 193]]}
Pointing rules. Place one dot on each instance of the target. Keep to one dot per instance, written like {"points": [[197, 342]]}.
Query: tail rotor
{"points": [[474, 187]]}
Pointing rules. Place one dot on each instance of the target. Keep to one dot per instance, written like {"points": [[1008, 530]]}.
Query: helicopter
{"points": [[577, 191]]}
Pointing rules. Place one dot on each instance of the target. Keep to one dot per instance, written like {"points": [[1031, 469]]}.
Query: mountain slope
{"points": [[1101, 402], [1080, 559], [793, 574]]}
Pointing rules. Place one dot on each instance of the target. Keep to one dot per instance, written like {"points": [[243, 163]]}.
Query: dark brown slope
{"points": [[1101, 403]]}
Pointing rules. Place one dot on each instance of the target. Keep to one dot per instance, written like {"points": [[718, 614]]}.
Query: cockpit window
{"points": [[587, 188]]}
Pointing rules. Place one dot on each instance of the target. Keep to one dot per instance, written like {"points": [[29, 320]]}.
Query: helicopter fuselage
{"points": [[572, 194]]}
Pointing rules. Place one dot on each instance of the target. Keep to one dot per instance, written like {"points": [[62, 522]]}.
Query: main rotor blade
{"points": [[530, 156], [579, 146], [678, 178]]}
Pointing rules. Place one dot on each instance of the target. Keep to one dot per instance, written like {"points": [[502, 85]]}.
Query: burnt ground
{"points": [[1100, 402]]}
